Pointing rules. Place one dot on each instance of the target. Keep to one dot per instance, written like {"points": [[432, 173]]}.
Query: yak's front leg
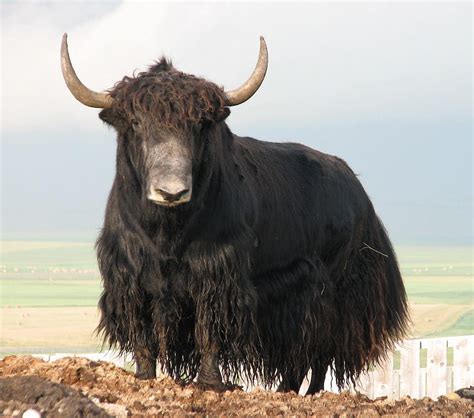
{"points": [[145, 365], [209, 375]]}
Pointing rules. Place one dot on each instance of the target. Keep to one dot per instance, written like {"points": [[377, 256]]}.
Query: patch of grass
{"points": [[43, 273], [435, 260], [450, 357], [49, 292], [44, 256], [435, 318], [424, 357], [397, 357], [397, 360], [463, 326], [456, 290]]}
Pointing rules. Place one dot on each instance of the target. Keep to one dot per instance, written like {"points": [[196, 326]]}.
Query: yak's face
{"points": [[167, 162], [163, 118]]}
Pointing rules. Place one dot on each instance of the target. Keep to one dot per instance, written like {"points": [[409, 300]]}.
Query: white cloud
{"points": [[328, 62]]}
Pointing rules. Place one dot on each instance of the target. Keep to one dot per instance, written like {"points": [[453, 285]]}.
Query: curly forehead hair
{"points": [[173, 98]]}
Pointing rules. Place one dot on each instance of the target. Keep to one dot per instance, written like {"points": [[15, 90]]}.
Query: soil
{"points": [[78, 387]]}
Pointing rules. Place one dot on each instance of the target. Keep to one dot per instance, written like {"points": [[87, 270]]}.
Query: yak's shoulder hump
{"points": [[292, 150]]}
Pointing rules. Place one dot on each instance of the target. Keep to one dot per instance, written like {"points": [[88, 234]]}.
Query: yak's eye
{"points": [[204, 124], [135, 124]]}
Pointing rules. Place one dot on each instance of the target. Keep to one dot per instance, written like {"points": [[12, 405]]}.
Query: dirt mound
{"points": [[20, 393], [118, 393]]}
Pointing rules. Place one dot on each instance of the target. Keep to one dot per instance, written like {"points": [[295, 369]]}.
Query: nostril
{"points": [[172, 197], [182, 193]]}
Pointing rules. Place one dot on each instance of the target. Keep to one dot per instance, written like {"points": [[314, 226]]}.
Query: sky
{"points": [[385, 86]]}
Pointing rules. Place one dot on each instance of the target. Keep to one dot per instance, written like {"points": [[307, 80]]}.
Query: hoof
{"points": [[214, 386], [218, 386], [232, 386], [145, 375], [181, 382]]}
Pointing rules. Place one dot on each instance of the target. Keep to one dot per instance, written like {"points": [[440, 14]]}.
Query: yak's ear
{"points": [[222, 113], [113, 118], [216, 117], [110, 117]]}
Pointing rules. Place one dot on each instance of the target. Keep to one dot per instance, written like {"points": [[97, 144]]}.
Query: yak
{"points": [[225, 257]]}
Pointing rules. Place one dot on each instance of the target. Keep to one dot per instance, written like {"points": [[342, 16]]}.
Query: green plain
{"points": [[49, 292]]}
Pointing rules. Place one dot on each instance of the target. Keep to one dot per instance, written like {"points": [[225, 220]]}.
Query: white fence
{"points": [[418, 368], [428, 367]]}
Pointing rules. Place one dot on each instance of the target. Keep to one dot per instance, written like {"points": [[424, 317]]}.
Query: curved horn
{"points": [[80, 91], [248, 89]]}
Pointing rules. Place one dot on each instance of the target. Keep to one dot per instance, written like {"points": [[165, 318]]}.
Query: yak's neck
{"points": [[216, 170]]}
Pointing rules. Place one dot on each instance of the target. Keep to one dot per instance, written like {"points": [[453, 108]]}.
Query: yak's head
{"points": [[162, 117]]}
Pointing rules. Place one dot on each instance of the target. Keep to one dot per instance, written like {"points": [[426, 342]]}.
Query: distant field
{"points": [[435, 260], [49, 293], [45, 256], [457, 290], [38, 291], [53, 329]]}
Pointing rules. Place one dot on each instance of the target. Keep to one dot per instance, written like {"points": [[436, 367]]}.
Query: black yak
{"points": [[226, 257]]}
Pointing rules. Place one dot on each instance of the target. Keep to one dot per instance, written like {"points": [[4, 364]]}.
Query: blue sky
{"points": [[386, 86]]}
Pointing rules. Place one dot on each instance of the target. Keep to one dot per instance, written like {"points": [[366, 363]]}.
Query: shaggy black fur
{"points": [[277, 265]]}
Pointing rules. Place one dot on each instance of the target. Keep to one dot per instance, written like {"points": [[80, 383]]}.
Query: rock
{"points": [[467, 393], [115, 410], [31, 413], [453, 396]]}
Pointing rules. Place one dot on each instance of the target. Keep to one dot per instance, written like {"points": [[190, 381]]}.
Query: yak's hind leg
{"points": [[318, 375], [292, 381], [145, 365]]}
